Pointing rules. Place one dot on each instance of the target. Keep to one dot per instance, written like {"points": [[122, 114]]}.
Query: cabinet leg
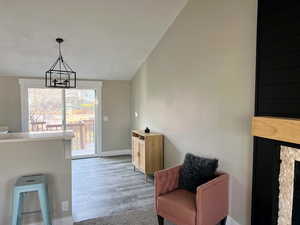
{"points": [[146, 179], [133, 168]]}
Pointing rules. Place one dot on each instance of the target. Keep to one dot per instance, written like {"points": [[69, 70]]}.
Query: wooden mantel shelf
{"points": [[276, 128]]}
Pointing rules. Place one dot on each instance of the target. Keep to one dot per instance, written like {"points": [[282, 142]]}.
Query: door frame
{"points": [[25, 84]]}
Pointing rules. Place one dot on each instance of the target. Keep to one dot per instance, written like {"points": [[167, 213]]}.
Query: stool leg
{"points": [[48, 201], [21, 197], [43, 196], [17, 208]]}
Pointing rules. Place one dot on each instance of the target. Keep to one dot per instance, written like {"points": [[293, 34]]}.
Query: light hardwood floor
{"points": [[108, 186]]}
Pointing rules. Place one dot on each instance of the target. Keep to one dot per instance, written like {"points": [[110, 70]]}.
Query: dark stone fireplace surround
{"points": [[277, 94]]}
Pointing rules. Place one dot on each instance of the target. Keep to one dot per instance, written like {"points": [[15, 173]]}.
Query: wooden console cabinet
{"points": [[147, 152]]}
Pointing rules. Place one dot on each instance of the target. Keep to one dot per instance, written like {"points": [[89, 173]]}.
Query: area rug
{"points": [[147, 217]]}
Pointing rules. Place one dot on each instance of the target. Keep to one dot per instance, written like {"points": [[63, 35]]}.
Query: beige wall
{"points": [[23, 158], [10, 103], [116, 105], [197, 87]]}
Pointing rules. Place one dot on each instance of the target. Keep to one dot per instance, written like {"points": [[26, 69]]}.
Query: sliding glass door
{"points": [[80, 114], [45, 109], [71, 109]]}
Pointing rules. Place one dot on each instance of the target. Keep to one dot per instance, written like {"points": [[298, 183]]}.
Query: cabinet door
{"points": [[135, 151], [142, 156]]}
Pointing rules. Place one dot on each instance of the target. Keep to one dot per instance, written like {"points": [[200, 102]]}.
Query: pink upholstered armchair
{"points": [[209, 206]]}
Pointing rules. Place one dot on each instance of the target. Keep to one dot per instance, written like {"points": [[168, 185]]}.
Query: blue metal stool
{"points": [[33, 183]]}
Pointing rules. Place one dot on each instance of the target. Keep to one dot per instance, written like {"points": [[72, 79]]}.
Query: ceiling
{"points": [[104, 39]]}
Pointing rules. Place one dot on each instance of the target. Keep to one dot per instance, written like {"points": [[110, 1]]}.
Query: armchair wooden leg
{"points": [[223, 221], [160, 220]]}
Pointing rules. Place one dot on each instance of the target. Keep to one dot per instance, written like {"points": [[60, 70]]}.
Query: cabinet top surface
{"points": [[142, 133]]}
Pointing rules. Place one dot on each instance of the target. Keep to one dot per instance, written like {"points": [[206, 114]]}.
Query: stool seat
{"points": [[31, 180], [32, 183]]}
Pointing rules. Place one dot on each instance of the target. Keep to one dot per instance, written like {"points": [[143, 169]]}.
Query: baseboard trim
{"points": [[59, 221], [231, 221], [84, 156], [116, 152]]}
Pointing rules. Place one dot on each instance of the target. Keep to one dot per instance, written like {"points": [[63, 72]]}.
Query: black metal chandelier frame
{"points": [[60, 75]]}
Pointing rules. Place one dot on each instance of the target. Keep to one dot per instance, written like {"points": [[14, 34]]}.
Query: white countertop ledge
{"points": [[36, 136]]}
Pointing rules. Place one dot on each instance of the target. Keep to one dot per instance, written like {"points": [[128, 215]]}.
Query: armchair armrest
{"points": [[166, 181], [212, 200]]}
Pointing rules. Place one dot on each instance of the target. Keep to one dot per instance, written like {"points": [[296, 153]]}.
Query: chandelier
{"points": [[60, 75]]}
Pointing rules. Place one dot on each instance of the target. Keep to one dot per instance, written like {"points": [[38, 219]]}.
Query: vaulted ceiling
{"points": [[104, 39]]}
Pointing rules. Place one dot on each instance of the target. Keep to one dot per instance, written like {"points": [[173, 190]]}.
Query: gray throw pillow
{"points": [[196, 171]]}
